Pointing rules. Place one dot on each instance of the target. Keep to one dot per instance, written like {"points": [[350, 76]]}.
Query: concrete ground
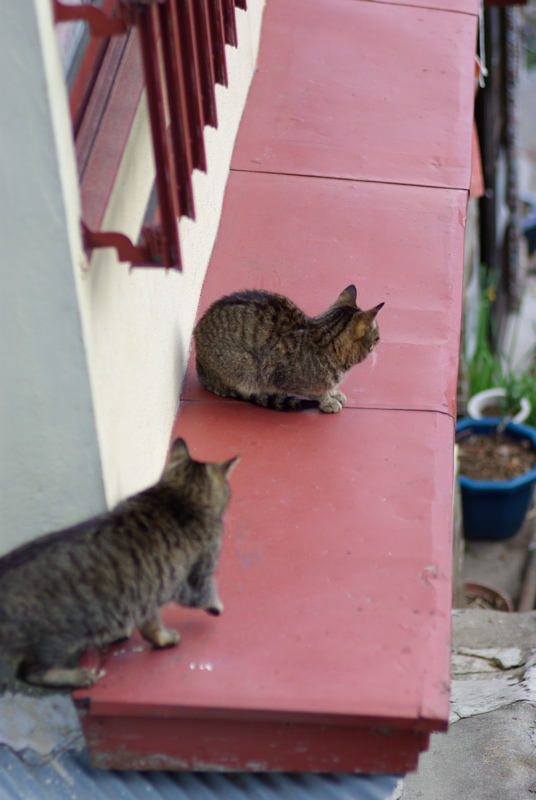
{"points": [[489, 752], [501, 564]]}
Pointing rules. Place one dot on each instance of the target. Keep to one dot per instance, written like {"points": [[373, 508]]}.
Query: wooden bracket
{"points": [[99, 24], [152, 251]]}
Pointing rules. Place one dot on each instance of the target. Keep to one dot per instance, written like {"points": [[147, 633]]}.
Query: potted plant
{"points": [[495, 508], [499, 401], [496, 491], [495, 388]]}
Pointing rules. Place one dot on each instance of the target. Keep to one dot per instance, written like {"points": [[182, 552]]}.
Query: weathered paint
{"points": [[215, 745]]}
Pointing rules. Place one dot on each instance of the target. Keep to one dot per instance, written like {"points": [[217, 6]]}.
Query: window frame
{"points": [[182, 49]]}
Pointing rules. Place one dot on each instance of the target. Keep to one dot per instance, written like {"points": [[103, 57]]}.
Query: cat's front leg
{"points": [[215, 605], [154, 632], [337, 395], [200, 591]]}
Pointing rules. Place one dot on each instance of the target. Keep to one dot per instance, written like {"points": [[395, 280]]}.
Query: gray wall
{"points": [[50, 461]]}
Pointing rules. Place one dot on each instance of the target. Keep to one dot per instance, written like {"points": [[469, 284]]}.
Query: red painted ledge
{"points": [[333, 652]]}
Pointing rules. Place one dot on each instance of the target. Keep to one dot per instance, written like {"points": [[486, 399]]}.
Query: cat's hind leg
{"points": [[62, 677], [211, 381], [44, 665], [9, 665], [154, 632]]}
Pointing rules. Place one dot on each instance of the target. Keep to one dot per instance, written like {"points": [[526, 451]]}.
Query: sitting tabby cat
{"points": [[258, 346], [93, 583]]}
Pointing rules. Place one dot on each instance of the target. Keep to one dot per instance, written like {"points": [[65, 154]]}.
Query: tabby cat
{"points": [[258, 346], [93, 583]]}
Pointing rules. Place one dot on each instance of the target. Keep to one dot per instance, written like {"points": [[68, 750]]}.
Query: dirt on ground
{"points": [[495, 458]]}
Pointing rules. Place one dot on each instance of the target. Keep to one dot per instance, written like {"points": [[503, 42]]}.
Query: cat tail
{"points": [[273, 400], [280, 402]]}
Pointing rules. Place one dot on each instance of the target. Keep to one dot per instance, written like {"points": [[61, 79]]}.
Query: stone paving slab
{"points": [[491, 755]]}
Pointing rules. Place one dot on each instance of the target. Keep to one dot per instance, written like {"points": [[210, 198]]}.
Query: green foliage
{"points": [[484, 368], [518, 385], [488, 369]]}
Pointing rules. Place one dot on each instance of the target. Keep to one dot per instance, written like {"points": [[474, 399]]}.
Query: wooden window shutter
{"points": [[183, 54]]}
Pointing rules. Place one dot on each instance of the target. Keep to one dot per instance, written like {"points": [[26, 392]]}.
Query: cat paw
{"points": [[82, 678], [330, 405], [90, 676], [165, 637], [338, 396]]}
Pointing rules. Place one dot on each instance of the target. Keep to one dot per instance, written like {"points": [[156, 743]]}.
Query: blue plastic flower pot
{"points": [[495, 509]]}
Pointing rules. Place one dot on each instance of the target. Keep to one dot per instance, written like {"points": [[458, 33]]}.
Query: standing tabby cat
{"points": [[258, 346], [95, 582]]}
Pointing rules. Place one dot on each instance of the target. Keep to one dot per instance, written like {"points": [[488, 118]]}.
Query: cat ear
{"points": [[364, 319], [371, 313], [179, 451], [228, 466], [348, 297]]}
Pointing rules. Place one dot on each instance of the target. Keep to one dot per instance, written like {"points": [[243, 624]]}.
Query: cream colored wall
{"points": [[138, 324]]}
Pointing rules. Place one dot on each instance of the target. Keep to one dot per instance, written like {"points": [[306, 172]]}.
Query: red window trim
{"points": [[182, 45], [106, 126], [87, 71]]}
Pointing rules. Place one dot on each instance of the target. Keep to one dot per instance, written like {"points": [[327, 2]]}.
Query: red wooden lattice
{"points": [[183, 53]]}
